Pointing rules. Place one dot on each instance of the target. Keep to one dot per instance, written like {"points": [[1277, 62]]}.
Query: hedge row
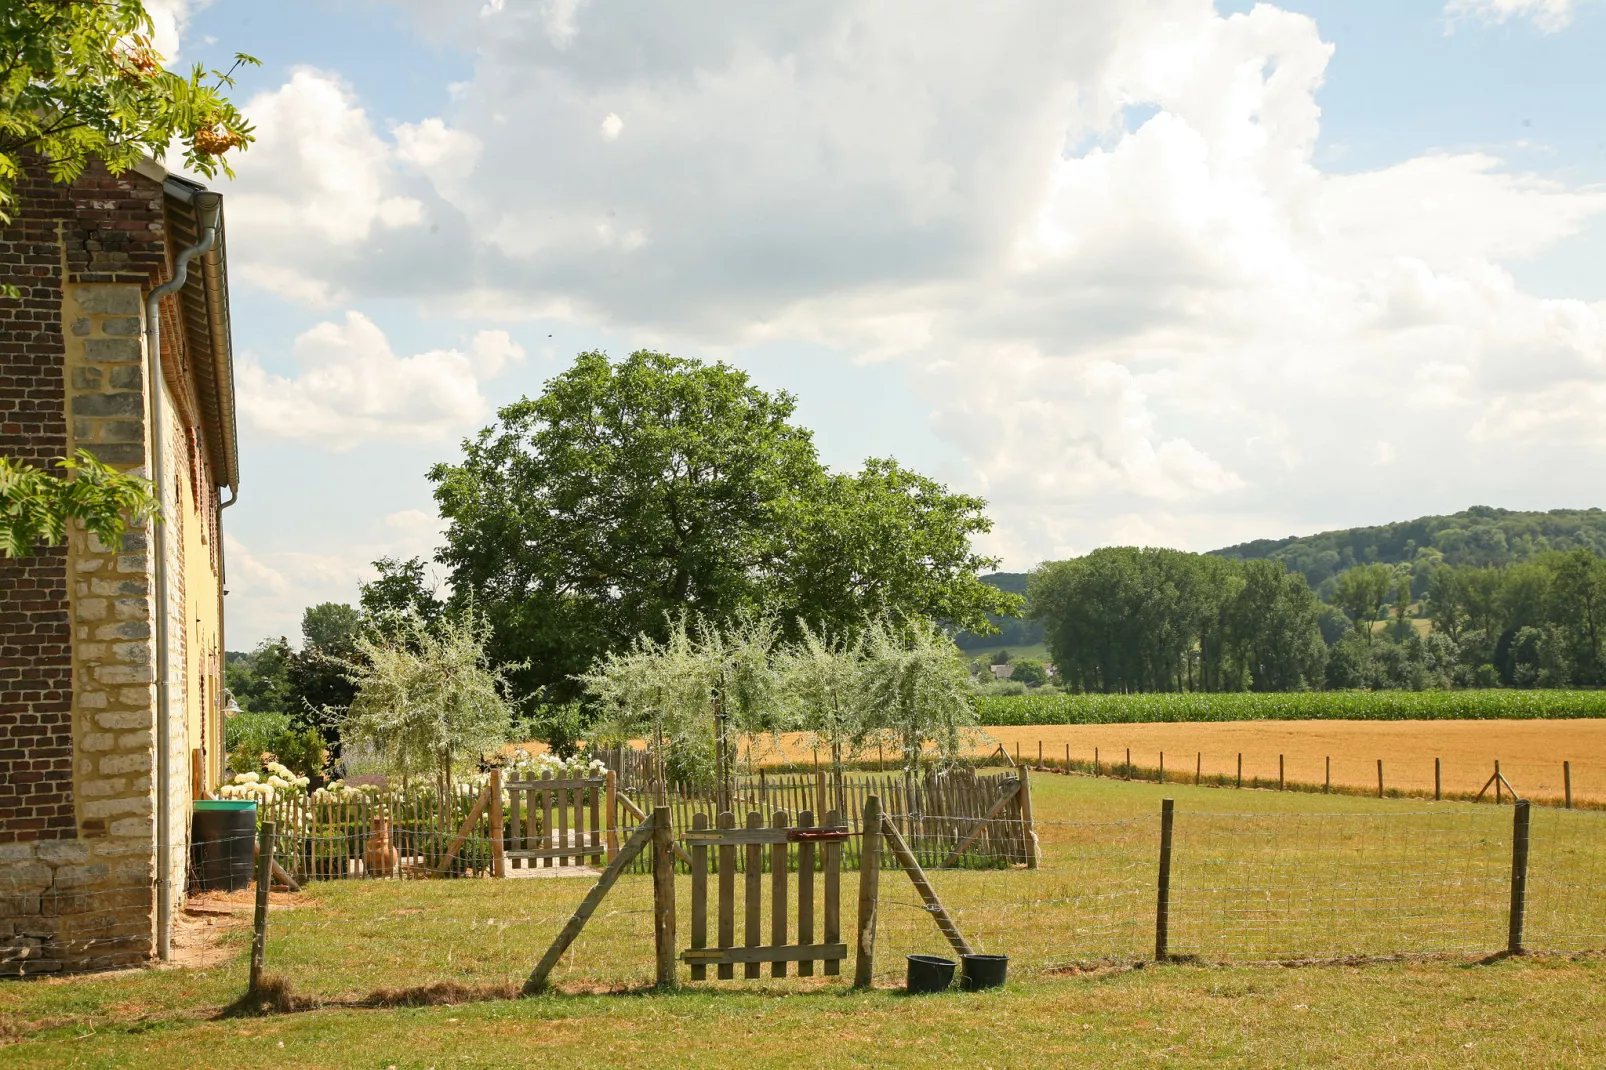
{"points": [[1052, 707]]}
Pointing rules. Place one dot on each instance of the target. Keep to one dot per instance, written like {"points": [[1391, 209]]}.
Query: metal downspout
{"points": [[206, 205], [222, 632]]}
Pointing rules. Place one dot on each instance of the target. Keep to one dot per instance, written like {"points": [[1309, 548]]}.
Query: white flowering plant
{"points": [[526, 766], [274, 781], [339, 791]]}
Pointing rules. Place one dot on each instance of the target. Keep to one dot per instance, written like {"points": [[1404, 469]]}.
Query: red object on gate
{"points": [[814, 835]]}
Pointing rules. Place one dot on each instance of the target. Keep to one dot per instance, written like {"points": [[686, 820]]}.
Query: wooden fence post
{"points": [[1067, 759], [1438, 780], [1327, 785], [259, 926], [663, 895], [1162, 906], [1280, 781], [1129, 763], [1095, 761], [1240, 769], [612, 802], [1380, 778], [1027, 824], [498, 859], [869, 891], [1519, 876], [1497, 779], [1567, 782], [1198, 768], [1162, 767]]}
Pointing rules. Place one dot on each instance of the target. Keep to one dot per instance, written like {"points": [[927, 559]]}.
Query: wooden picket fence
{"points": [[337, 839], [957, 818], [758, 843], [546, 821]]}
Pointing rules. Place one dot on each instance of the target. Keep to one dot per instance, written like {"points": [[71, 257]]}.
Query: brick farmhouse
{"points": [[85, 795]]}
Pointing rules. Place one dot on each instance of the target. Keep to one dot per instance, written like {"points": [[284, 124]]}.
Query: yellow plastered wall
{"points": [[194, 589]]}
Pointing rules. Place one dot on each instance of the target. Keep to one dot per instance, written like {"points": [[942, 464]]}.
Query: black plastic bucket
{"points": [[984, 971], [928, 973], [223, 835]]}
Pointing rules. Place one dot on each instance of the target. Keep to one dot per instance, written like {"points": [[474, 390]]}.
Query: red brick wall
{"points": [[105, 229]]}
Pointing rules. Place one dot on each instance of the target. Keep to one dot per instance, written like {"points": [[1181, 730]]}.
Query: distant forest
{"points": [[1481, 536], [1485, 597]]}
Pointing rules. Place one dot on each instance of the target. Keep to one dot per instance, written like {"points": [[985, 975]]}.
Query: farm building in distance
{"points": [[97, 766]]}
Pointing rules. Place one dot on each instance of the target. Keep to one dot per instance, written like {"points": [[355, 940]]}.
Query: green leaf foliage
{"points": [[631, 493], [79, 80], [1128, 619], [1480, 536], [428, 703], [36, 507]]}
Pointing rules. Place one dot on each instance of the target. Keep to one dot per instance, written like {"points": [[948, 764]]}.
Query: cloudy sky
{"points": [[1170, 272]]}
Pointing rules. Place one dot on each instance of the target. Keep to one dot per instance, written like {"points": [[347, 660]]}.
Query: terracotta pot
{"points": [[380, 858]]}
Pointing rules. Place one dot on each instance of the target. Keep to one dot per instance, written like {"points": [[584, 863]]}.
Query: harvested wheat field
{"points": [[1530, 752]]}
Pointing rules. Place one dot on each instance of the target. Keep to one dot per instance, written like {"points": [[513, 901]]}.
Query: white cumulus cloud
{"points": [[1095, 237], [351, 386]]}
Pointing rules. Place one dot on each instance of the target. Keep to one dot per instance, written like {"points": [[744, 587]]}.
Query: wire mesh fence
{"points": [[1283, 887], [1243, 887]]}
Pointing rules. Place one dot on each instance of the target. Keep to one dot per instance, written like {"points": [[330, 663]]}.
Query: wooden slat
{"points": [[498, 848], [744, 836], [699, 898], [727, 956], [778, 894], [833, 895], [561, 829], [610, 808], [546, 819], [805, 893], [727, 893], [753, 899]]}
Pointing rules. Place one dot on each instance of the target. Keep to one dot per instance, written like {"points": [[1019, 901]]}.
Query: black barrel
{"points": [[928, 973], [984, 971], [223, 836]]}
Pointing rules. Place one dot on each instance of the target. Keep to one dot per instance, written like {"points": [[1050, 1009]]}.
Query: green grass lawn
{"points": [[1258, 877], [1535, 1012]]}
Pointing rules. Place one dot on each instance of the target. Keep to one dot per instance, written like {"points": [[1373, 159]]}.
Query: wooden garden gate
{"points": [[657, 832], [816, 844], [548, 821]]}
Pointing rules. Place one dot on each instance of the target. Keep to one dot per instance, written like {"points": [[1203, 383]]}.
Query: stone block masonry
{"points": [[77, 658]]}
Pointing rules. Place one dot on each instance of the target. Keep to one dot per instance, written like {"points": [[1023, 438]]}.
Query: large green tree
{"points": [[630, 492], [1362, 592], [1130, 619]]}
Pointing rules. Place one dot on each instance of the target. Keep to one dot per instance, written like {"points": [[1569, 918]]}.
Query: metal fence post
{"points": [[1519, 876], [1162, 907]]}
